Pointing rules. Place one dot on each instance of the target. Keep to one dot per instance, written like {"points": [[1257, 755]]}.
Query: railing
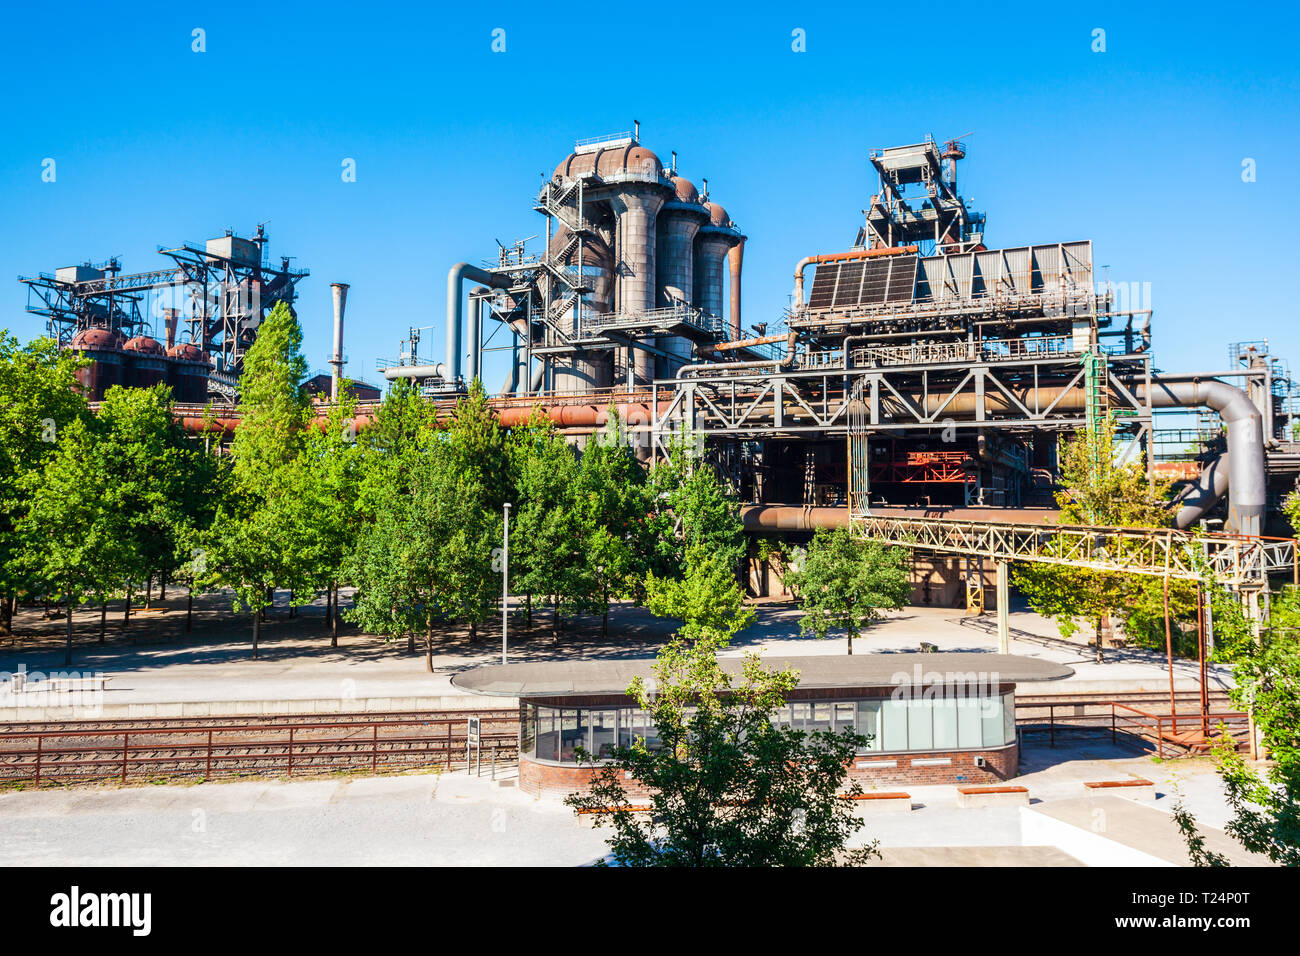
{"points": [[651, 319], [160, 748], [1163, 729], [989, 350]]}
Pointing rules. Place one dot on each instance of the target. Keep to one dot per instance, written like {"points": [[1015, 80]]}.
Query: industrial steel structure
{"points": [[918, 373], [209, 301], [923, 373]]}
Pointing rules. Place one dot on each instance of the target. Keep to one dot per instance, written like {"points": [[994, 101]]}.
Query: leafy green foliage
{"points": [[121, 495], [708, 600], [691, 509], [39, 398], [845, 581], [1265, 802], [427, 549], [1266, 806], [1100, 491], [274, 408], [727, 785]]}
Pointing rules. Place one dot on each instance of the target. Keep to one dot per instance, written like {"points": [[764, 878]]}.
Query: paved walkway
{"points": [[213, 664], [456, 819]]}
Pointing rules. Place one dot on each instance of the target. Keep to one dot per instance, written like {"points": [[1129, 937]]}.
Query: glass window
{"points": [[1009, 717], [572, 733], [843, 717], [821, 717], [945, 723], [869, 722], [920, 731], [968, 723], [893, 719], [800, 714], [548, 739], [783, 716], [631, 725], [603, 733], [528, 730], [991, 719]]}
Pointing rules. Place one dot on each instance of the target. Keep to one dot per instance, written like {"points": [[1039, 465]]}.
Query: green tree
{"points": [[1097, 490], [691, 508], [426, 550], [727, 785], [610, 502], [274, 408], [844, 582], [547, 552], [1265, 804], [39, 397], [75, 531], [320, 502], [250, 546], [708, 600]]}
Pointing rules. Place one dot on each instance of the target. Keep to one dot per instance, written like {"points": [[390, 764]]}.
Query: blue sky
{"points": [[1139, 148]]}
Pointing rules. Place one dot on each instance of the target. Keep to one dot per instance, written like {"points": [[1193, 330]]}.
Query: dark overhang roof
{"points": [[580, 678]]}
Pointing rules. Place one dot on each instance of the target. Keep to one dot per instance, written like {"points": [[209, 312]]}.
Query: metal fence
{"points": [[164, 749]]}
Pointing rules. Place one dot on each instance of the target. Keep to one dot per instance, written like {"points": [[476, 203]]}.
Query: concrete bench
{"points": [[588, 817], [969, 798], [892, 802], [1135, 788]]}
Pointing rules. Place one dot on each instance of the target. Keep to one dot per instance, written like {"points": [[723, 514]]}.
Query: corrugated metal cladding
{"points": [[1025, 270]]}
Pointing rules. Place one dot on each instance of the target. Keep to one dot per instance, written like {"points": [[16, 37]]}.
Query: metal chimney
{"points": [[340, 290]]}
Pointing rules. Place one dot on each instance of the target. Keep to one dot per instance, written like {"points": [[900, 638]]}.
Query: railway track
{"points": [[86, 751], [66, 752]]}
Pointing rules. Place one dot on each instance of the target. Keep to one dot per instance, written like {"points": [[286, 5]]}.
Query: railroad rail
{"points": [[206, 748]]}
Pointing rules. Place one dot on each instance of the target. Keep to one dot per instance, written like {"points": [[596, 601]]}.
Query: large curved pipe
{"points": [[1247, 477], [455, 315]]}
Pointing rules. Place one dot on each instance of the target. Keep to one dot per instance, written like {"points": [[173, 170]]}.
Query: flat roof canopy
{"points": [[582, 678]]}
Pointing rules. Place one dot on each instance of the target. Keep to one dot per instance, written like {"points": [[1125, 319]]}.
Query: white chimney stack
{"points": [[340, 290]]}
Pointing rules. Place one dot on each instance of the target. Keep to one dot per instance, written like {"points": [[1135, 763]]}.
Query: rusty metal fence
{"points": [[147, 750]]}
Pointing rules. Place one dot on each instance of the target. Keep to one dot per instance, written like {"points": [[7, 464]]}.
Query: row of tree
{"points": [[408, 509]]}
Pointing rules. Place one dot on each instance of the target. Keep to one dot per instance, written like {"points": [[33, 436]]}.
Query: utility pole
{"points": [[505, 583]]}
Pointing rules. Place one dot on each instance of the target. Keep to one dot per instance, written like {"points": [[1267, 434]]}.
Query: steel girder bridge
{"points": [[1241, 563]]}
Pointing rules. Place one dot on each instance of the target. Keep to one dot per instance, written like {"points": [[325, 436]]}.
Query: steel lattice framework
{"points": [[1240, 562]]}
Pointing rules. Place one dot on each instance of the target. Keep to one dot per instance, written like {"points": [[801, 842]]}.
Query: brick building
{"points": [[930, 718]]}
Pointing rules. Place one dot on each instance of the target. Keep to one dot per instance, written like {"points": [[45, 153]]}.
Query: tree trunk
{"points": [[604, 624], [334, 617], [850, 642], [189, 611], [473, 631], [257, 631], [126, 614], [67, 653], [410, 642], [528, 610], [555, 619], [428, 643], [103, 619], [6, 618], [1100, 654], [148, 591], [162, 587]]}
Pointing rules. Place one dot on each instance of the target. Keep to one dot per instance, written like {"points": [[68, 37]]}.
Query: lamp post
{"points": [[505, 583]]}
